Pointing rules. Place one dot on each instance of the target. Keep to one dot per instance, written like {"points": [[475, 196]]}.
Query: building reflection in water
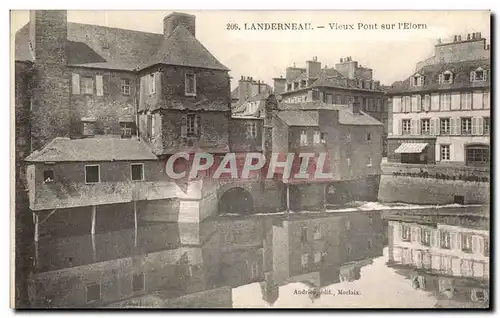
{"points": [[449, 260]]}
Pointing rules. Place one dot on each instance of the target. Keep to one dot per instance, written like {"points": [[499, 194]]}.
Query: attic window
{"points": [[479, 75], [417, 80], [289, 86], [303, 83], [447, 77]]}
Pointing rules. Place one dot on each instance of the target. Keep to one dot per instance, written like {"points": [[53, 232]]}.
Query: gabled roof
{"points": [[461, 77], [96, 46], [92, 149]]}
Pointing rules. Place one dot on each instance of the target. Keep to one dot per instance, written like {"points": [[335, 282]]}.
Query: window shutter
{"points": [[486, 100], [158, 84], [184, 126], [480, 126], [396, 104], [455, 126], [399, 128], [418, 127], [485, 75], [413, 128], [142, 92], [435, 238], [472, 76], [197, 126], [474, 126], [440, 78], [419, 103], [475, 245], [454, 241], [75, 82], [99, 85]]}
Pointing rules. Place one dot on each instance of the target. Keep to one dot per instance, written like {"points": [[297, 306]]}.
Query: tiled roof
{"points": [[346, 116], [92, 149], [97, 46], [299, 118], [461, 77]]}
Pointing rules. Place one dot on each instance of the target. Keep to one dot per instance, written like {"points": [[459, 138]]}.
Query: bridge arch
{"points": [[237, 200]]}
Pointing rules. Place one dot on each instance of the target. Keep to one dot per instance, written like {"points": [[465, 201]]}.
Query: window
{"points": [[368, 136], [406, 233], [48, 176], [137, 171], [92, 174], [426, 237], [479, 75], [348, 136], [466, 124], [444, 126], [486, 125], [317, 257], [151, 83], [425, 126], [348, 224], [252, 129], [193, 125], [467, 243], [417, 80], [303, 138], [93, 292], [88, 85], [190, 89], [370, 244], [126, 132], [477, 154], [466, 268], [289, 86], [445, 152], [446, 78], [445, 100], [138, 282], [370, 163], [370, 220], [466, 100], [303, 234], [295, 85], [322, 138], [304, 260], [317, 137], [303, 83], [317, 232], [406, 126], [445, 239], [125, 86]]}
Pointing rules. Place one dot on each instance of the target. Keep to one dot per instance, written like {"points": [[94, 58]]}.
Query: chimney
{"points": [[313, 68], [468, 36], [173, 20], [356, 106], [459, 38], [48, 35], [473, 36], [279, 85], [244, 88], [455, 38], [478, 35]]}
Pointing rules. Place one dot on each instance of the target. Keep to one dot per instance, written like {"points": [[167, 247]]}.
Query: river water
{"points": [[362, 257]]}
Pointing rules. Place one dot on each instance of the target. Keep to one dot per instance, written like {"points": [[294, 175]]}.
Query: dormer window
{"points": [[446, 78], [295, 85], [303, 83], [479, 75], [289, 86], [417, 80]]}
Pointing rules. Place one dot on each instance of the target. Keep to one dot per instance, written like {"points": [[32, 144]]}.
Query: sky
{"points": [[263, 55]]}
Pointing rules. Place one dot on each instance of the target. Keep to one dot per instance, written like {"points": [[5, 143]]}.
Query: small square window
{"points": [[48, 176], [125, 87], [137, 171], [92, 174], [190, 88], [138, 282], [93, 292]]}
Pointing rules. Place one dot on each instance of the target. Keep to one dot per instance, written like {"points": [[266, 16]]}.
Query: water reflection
{"points": [[263, 261]]}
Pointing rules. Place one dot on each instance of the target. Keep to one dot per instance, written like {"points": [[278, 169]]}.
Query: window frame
{"points": [[98, 173], [125, 88], [86, 292], [447, 131], [143, 282], [426, 239], [303, 138], [464, 120], [53, 178], [186, 79], [142, 171], [425, 131], [84, 89], [466, 239], [252, 129], [447, 236], [443, 147], [403, 130]]}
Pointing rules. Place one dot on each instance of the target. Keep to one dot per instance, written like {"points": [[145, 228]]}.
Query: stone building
{"points": [[248, 88], [441, 112], [342, 84]]}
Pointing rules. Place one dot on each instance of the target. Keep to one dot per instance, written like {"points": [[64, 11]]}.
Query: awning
{"points": [[411, 147]]}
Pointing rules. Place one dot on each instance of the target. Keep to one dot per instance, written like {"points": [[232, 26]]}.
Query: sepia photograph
{"points": [[250, 159]]}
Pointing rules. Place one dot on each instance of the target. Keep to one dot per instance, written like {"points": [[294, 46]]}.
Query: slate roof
{"points": [[461, 77], [97, 46], [92, 149], [346, 116], [299, 118]]}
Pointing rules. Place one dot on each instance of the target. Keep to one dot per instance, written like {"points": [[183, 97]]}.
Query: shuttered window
{"points": [[99, 89], [75, 83]]}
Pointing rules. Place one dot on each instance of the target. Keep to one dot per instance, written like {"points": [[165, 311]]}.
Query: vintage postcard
{"points": [[251, 159]]}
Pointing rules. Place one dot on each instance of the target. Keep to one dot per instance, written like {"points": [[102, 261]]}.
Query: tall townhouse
{"points": [[441, 113], [342, 84]]}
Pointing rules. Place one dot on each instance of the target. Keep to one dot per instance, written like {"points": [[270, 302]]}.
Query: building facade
{"points": [[342, 84], [441, 113]]}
